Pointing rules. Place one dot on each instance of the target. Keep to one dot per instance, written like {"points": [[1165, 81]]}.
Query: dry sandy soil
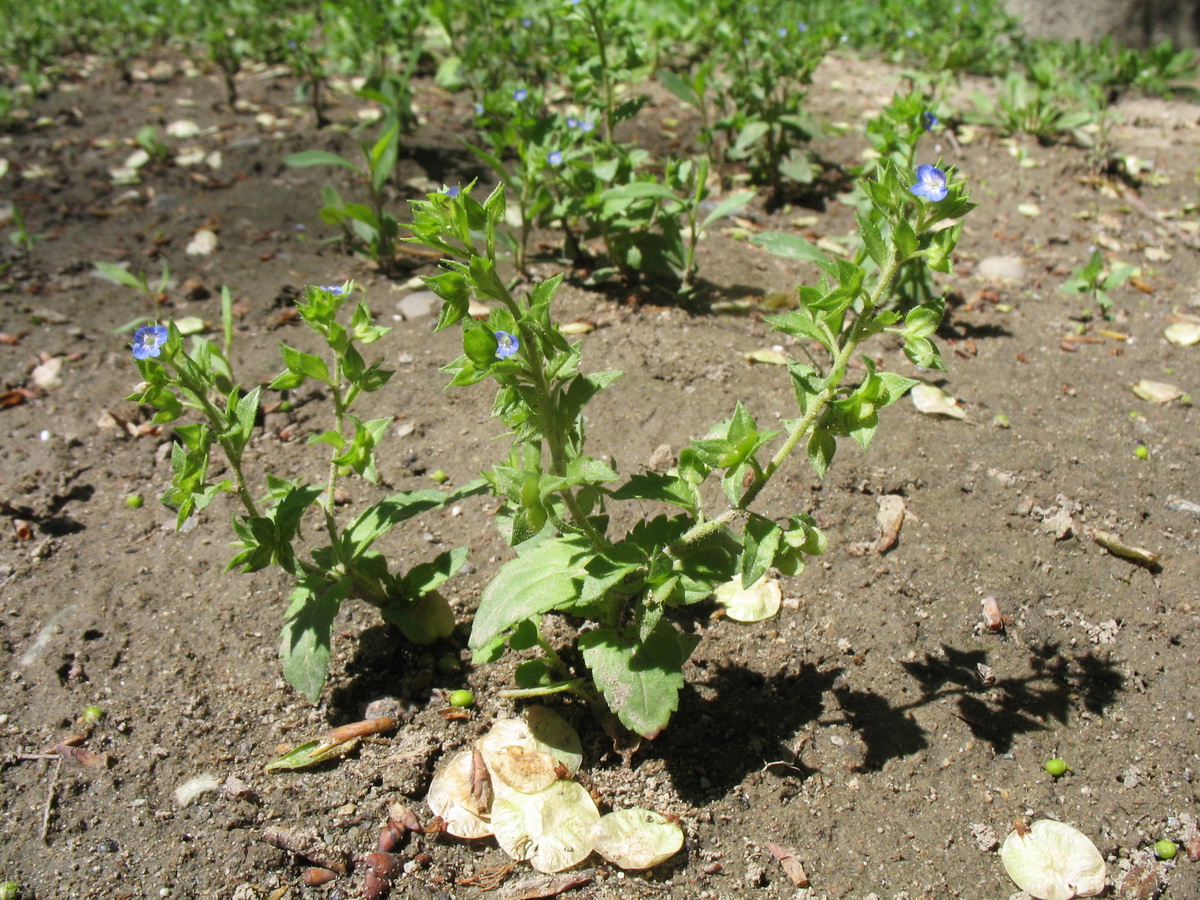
{"points": [[876, 728]]}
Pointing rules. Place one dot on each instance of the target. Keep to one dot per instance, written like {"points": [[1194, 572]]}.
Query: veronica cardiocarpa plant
{"points": [[555, 496], [181, 382]]}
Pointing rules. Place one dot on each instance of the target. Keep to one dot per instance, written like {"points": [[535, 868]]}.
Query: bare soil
{"points": [[876, 728]]}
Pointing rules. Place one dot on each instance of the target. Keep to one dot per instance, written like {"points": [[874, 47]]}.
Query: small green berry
{"points": [[462, 699], [92, 714], [285, 406], [1057, 767], [1165, 849], [345, 471], [1000, 421], [440, 476], [1142, 452], [134, 501]]}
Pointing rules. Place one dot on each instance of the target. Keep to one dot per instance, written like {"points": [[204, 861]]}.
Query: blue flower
{"points": [[783, 31], [909, 33], [802, 27], [572, 122], [585, 127], [336, 289], [554, 158], [479, 109], [452, 192], [506, 344], [928, 120], [148, 341], [526, 22], [931, 183], [520, 94]]}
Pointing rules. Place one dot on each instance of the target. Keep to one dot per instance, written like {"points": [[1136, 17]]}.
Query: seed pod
{"points": [[993, 619], [391, 837], [316, 876]]}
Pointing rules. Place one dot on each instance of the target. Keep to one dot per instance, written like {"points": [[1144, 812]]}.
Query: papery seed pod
{"points": [[385, 865], [391, 837], [993, 619], [316, 876], [374, 887], [382, 868], [405, 816]]}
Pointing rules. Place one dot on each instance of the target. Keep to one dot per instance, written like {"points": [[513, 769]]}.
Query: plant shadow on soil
{"points": [[771, 710]]}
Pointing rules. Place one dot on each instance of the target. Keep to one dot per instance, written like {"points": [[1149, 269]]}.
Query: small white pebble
{"points": [[44, 435]]}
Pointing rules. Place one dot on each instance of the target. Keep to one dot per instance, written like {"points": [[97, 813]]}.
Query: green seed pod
{"points": [[1165, 849], [440, 476], [134, 501], [1057, 767], [92, 714], [1142, 452], [530, 495], [462, 699], [535, 518]]}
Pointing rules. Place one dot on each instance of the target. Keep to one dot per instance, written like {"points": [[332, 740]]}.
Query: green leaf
{"points": [[905, 240], [455, 290], [800, 323], [304, 363], [307, 633], [479, 344], [424, 620], [428, 576], [121, 275], [821, 447], [678, 86], [728, 206], [547, 574], [653, 486], [310, 753], [378, 519], [640, 681], [319, 158], [873, 241], [760, 542], [788, 246]]}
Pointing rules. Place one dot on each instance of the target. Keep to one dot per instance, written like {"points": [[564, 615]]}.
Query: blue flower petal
{"points": [[506, 344], [149, 340], [931, 183]]}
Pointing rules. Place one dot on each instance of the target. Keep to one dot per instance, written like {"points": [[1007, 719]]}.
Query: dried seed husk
{"points": [[450, 798], [531, 753], [931, 400], [1053, 861], [637, 838], [759, 601], [1157, 391], [552, 828], [1185, 334]]}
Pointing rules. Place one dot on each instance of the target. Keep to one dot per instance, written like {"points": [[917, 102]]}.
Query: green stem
{"points": [[217, 421], [816, 409], [535, 357], [339, 416]]}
